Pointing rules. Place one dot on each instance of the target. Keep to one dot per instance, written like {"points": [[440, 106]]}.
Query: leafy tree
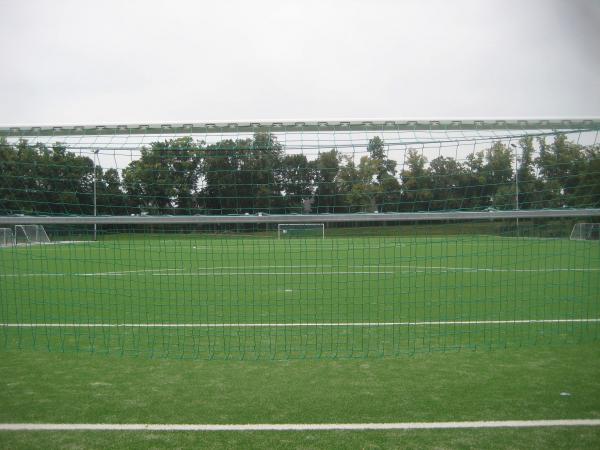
{"points": [[371, 185], [474, 194], [485, 173], [260, 171], [27, 182], [533, 192], [416, 183], [498, 174], [447, 178], [9, 179], [181, 176], [387, 196], [561, 165], [359, 184], [587, 193], [110, 196], [296, 176], [243, 175], [45, 180], [327, 167], [67, 180], [163, 180], [384, 166], [222, 185]]}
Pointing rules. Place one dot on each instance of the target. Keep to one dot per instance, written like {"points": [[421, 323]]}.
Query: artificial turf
{"points": [[513, 384], [438, 363], [202, 297]]}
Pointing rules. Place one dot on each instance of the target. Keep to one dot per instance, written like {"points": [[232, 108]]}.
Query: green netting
{"points": [[188, 257]]}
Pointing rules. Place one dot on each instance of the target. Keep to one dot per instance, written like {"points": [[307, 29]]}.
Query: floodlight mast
{"points": [[516, 182], [95, 201]]}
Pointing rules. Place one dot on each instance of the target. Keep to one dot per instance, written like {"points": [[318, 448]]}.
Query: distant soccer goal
{"points": [[7, 237], [31, 234], [585, 232], [300, 230]]}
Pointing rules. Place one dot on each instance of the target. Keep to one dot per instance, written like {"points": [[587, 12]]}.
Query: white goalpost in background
{"points": [[300, 230], [585, 232], [31, 234]]}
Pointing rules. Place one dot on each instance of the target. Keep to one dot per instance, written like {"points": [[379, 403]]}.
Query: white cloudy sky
{"points": [[160, 61]]}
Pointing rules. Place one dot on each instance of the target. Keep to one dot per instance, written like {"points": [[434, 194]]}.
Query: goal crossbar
{"points": [[410, 124]]}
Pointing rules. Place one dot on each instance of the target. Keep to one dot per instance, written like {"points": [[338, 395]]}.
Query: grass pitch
{"points": [[108, 318], [524, 383], [250, 298]]}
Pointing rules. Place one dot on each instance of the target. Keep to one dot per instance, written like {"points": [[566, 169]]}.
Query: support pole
{"points": [[95, 202], [516, 183]]}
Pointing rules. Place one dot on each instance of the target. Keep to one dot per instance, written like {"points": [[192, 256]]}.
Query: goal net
{"points": [[6, 237], [585, 232], [300, 230], [31, 234], [441, 236]]}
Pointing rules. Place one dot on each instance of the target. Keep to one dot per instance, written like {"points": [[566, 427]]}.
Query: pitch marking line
{"points": [[484, 269], [124, 272], [226, 274], [88, 274], [211, 271], [296, 324], [298, 426]]}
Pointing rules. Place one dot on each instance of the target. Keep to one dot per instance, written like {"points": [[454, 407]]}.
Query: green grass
{"points": [[327, 374], [167, 280], [500, 385]]}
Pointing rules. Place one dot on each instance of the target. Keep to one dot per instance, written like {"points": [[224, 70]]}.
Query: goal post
{"points": [[300, 230], [31, 234], [585, 232], [7, 237]]}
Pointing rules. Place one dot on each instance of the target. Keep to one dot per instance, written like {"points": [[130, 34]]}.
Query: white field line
{"points": [[124, 272], [298, 324], [211, 271], [226, 274], [484, 269], [205, 272], [32, 244], [87, 274], [299, 426], [169, 247]]}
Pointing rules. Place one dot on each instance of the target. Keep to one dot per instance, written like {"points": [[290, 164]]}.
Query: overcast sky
{"points": [[176, 61]]}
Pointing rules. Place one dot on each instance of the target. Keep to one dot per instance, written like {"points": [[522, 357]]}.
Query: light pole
{"points": [[95, 205], [516, 182]]}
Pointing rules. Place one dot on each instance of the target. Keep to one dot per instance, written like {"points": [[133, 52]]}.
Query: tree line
{"points": [[184, 176]]}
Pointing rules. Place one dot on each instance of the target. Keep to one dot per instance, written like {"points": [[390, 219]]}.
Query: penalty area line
{"points": [[298, 324], [299, 426]]}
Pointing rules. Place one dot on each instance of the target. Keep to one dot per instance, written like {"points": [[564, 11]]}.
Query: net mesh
{"points": [[165, 239], [6, 237]]}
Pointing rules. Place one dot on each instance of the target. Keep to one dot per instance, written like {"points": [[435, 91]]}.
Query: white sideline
{"points": [[86, 274], [211, 271], [298, 426], [484, 269], [225, 274], [295, 324]]}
